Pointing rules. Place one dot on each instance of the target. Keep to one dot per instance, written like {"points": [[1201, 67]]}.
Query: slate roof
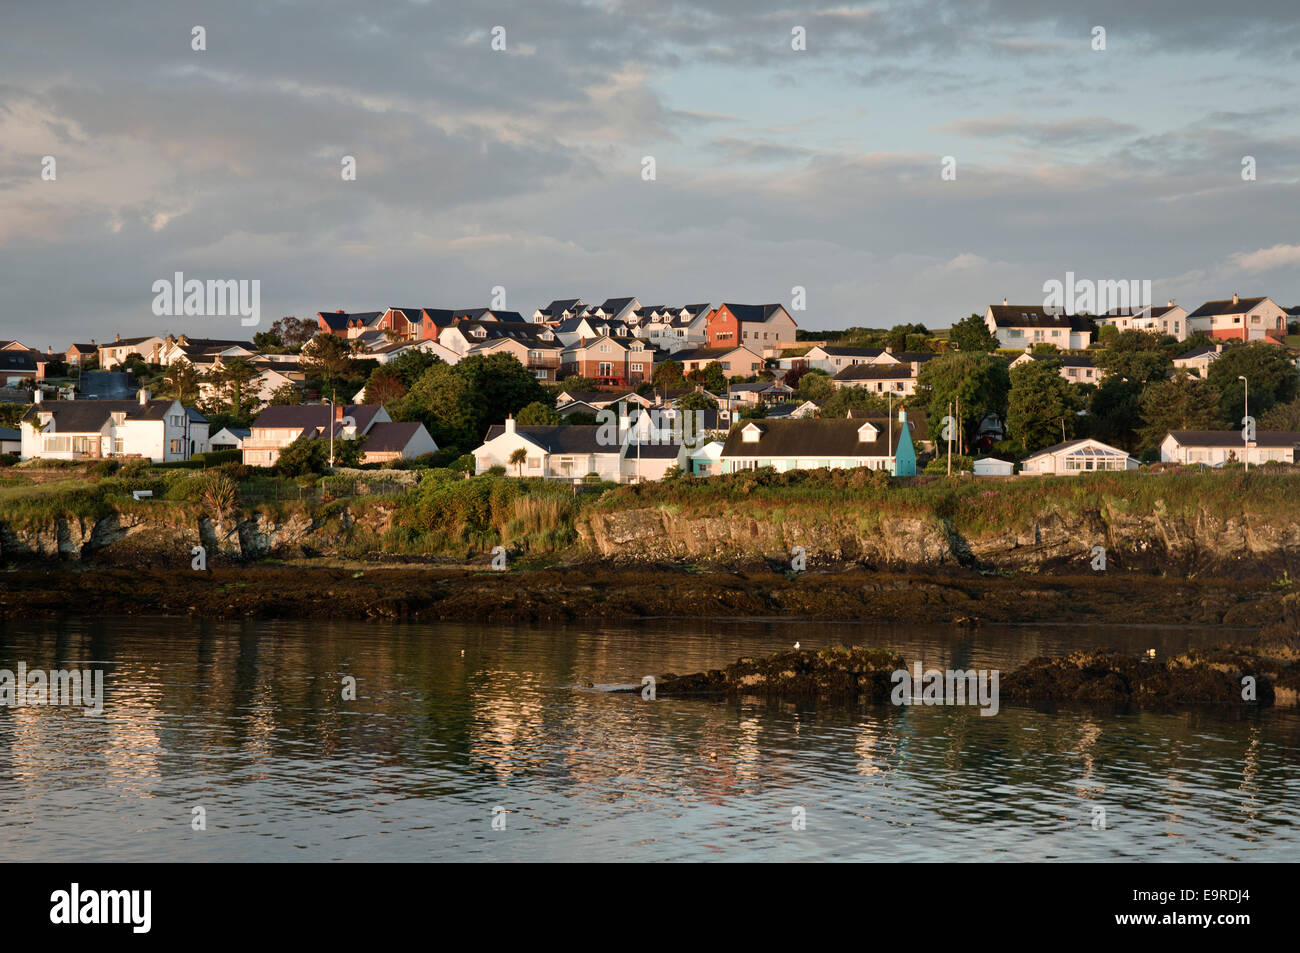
{"points": [[1226, 306], [812, 438], [558, 438], [391, 437], [90, 416], [314, 416], [8, 433], [754, 313], [1197, 352], [1034, 316], [874, 372], [1232, 438], [24, 361], [836, 350]]}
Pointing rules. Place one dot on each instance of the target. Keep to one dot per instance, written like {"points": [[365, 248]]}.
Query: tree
{"points": [[304, 456], [1136, 355], [517, 458], [294, 332], [711, 376], [897, 336], [232, 392], [286, 395], [973, 335], [815, 385], [979, 381], [181, 381], [505, 385], [853, 398], [268, 342], [1281, 417], [385, 385], [1042, 407], [1106, 334], [328, 361], [668, 374], [1267, 368], [1115, 412], [696, 400], [538, 412], [1181, 403], [447, 404]]}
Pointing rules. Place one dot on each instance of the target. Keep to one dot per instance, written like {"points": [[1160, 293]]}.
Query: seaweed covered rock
{"points": [[1213, 677], [837, 673]]}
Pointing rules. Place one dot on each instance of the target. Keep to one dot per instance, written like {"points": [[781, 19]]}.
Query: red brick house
{"points": [[624, 362], [764, 328]]}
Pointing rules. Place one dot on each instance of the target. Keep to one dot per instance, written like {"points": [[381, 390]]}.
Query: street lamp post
{"points": [[1246, 422], [331, 426]]}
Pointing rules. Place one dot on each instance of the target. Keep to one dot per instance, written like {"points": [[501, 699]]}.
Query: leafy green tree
{"points": [[695, 400], [1269, 371], [232, 388], [385, 385], [447, 404], [329, 362], [268, 342], [669, 374], [293, 332], [304, 456], [1115, 412], [973, 335], [1106, 334], [855, 398], [538, 412], [286, 395], [1136, 355], [1181, 403], [181, 381], [711, 376], [815, 385], [897, 336], [1281, 417], [980, 381], [409, 365], [505, 385], [1042, 407]]}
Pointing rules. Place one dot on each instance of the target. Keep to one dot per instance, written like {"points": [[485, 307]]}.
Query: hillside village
{"points": [[626, 392]]}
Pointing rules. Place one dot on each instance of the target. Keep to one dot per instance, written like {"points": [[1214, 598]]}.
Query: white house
{"points": [[1018, 326], [1077, 369], [159, 430], [1077, 456], [228, 438], [555, 452], [1198, 360], [1217, 447], [396, 440], [825, 443], [278, 426]]}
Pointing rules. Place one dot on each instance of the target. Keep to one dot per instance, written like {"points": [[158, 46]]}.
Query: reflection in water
{"points": [[248, 722]]}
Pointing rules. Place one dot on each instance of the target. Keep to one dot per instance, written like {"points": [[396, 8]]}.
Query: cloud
{"points": [[1266, 259]]}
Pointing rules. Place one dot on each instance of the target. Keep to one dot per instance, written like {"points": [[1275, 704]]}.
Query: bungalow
{"points": [[391, 352], [1018, 326], [159, 430], [735, 361], [1217, 447], [1243, 319], [833, 443], [555, 452], [202, 350], [764, 328], [1198, 360], [278, 426], [610, 360], [1077, 456], [1077, 369], [396, 440], [1154, 319], [833, 358], [883, 378]]}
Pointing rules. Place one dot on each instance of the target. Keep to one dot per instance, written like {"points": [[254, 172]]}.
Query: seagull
{"points": [[796, 645]]}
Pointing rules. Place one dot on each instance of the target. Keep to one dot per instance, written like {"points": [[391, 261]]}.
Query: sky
{"points": [[524, 169]]}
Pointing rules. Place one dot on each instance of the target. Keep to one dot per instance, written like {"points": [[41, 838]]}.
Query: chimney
{"points": [[340, 311], [92, 342], [49, 349], [1171, 302], [510, 424], [338, 411], [1234, 298], [144, 396], [118, 337], [1004, 301], [37, 395]]}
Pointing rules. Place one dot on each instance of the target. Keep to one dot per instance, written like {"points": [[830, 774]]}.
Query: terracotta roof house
{"points": [[1217, 447]]}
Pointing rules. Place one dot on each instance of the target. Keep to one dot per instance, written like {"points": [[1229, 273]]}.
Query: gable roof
{"points": [[1034, 316], [1232, 438], [90, 416], [1101, 449], [874, 372], [810, 437], [314, 416], [391, 436], [1198, 352], [754, 313], [558, 438]]}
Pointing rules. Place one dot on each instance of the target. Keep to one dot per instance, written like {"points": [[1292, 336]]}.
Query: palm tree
{"points": [[518, 458]]}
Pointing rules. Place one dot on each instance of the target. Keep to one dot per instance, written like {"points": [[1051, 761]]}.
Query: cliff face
{"points": [[1196, 541], [1203, 543]]}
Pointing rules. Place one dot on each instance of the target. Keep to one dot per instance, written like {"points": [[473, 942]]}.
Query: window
{"points": [[637, 368], [118, 445], [175, 446]]}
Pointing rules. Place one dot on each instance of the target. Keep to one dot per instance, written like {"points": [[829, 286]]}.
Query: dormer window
{"points": [[751, 433], [867, 433], [119, 418]]}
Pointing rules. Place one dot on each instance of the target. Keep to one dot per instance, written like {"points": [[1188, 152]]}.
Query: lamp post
{"points": [[1246, 422], [331, 426]]}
